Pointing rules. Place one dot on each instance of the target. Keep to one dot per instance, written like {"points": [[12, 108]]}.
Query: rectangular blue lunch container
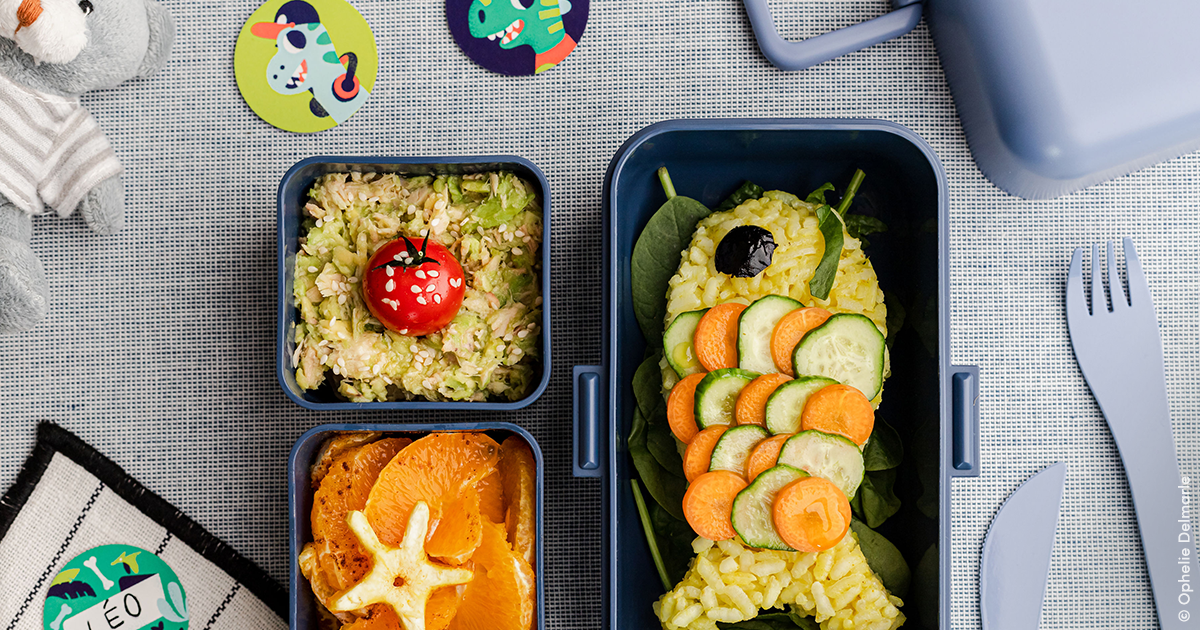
{"points": [[930, 402], [293, 193], [302, 607]]}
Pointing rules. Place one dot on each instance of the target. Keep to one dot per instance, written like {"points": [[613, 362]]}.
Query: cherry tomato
{"points": [[413, 287]]}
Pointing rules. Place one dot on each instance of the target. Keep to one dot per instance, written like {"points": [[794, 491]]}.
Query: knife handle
{"points": [[1162, 499]]}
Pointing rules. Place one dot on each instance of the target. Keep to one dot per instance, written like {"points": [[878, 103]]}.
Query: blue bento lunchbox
{"points": [[937, 414], [293, 191], [302, 606]]}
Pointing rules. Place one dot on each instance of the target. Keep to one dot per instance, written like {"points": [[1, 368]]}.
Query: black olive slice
{"points": [[745, 251]]}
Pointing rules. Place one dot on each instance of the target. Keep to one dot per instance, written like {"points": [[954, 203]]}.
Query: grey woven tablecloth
{"points": [[159, 348]]}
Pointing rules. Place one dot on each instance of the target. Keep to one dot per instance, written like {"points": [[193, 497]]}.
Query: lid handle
{"points": [[964, 423], [588, 385], [790, 56]]}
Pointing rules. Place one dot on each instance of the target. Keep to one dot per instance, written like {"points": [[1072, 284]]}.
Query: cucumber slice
{"points": [[786, 403], [848, 348], [678, 346], [734, 446], [752, 509], [717, 393], [827, 456], [755, 326]]}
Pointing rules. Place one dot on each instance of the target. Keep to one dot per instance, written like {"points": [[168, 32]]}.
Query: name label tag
{"points": [[132, 609]]}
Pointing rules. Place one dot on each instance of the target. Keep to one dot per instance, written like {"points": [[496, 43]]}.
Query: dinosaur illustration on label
{"points": [[307, 61], [534, 23]]}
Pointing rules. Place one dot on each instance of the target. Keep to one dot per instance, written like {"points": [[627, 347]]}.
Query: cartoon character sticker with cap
{"points": [[517, 37], [116, 586], [320, 68]]}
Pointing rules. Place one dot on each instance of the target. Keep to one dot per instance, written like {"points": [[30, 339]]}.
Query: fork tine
{"points": [[1099, 302], [1076, 306], [1116, 290], [1139, 289]]}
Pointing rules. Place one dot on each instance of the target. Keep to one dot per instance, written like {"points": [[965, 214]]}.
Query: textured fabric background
{"points": [[159, 346]]}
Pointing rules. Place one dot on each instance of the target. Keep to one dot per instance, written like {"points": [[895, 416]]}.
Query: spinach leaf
{"points": [[884, 450], [926, 586], [925, 454], [773, 621], [647, 385], [885, 559], [647, 388], [895, 316], [859, 226], [651, 537], [661, 443], [831, 229], [747, 191], [817, 197], [666, 488], [656, 256], [674, 542], [831, 224], [876, 500]]}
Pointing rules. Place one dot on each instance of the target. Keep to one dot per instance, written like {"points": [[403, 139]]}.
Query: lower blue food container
{"points": [[932, 404], [302, 605]]}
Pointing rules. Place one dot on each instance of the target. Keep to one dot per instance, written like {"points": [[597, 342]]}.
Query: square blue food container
{"points": [[302, 606], [293, 193], [931, 403]]}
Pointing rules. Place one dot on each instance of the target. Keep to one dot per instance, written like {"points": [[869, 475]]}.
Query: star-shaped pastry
{"points": [[401, 577]]}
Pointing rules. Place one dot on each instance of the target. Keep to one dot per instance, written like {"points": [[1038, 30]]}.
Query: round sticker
{"points": [[517, 37], [305, 66], [116, 586]]}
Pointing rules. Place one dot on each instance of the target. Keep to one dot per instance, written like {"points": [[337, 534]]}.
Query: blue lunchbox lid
{"points": [[1053, 96], [1058, 96]]}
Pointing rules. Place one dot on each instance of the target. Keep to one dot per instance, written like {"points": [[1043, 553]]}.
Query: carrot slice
{"points": [[810, 514], [708, 503], [716, 337], [788, 332], [681, 408], [765, 455], [751, 405], [842, 410], [699, 451]]}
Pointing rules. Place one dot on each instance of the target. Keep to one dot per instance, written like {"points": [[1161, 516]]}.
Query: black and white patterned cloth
{"points": [[68, 498]]}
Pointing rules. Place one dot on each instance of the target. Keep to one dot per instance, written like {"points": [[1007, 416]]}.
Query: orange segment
{"points": [[789, 330], [381, 617], [502, 595], [439, 610], [442, 606], [518, 474], [459, 531], [491, 497], [345, 487], [435, 469]]}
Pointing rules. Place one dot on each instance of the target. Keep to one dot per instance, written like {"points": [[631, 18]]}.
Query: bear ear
{"points": [[162, 35]]}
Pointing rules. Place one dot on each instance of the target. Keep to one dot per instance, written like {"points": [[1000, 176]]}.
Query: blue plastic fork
{"points": [[1120, 354]]}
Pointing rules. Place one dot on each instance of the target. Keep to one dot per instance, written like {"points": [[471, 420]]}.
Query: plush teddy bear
{"points": [[53, 155]]}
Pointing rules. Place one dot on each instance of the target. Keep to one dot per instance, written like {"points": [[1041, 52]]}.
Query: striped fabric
{"points": [[69, 498], [52, 152]]}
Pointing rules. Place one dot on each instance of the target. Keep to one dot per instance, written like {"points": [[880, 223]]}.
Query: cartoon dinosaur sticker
{"points": [[307, 61], [534, 23]]}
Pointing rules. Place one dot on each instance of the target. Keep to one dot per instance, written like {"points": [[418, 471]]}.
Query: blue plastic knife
{"points": [[1016, 553]]}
